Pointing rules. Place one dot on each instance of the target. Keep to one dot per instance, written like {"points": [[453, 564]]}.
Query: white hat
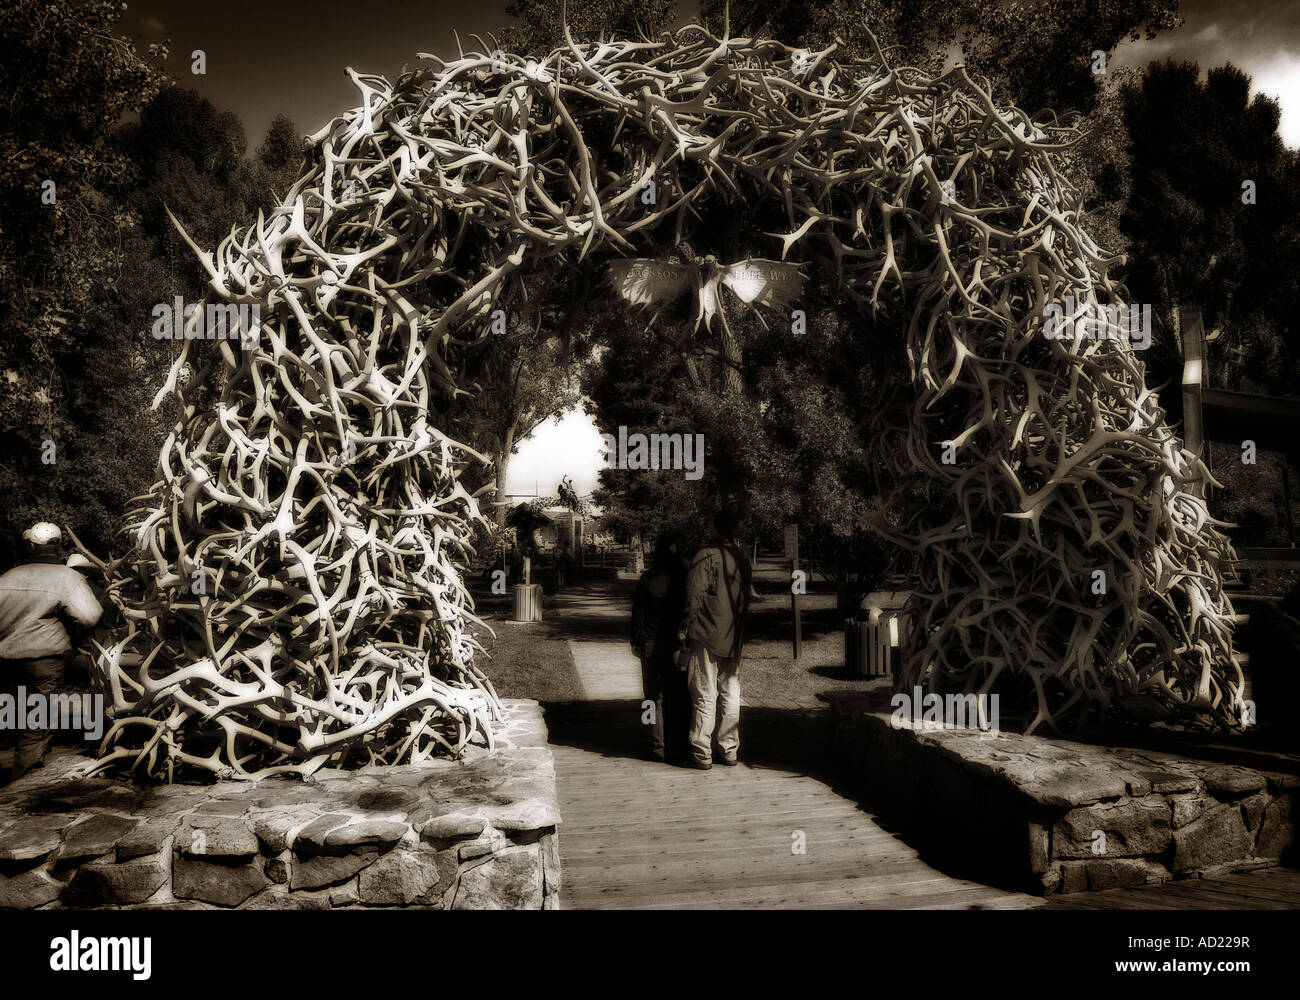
{"points": [[78, 561], [43, 533]]}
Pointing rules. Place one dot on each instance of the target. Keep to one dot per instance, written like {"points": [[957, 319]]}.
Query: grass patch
{"points": [[523, 662], [768, 669]]}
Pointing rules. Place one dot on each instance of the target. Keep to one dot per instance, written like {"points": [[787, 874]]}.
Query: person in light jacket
{"points": [[713, 627], [43, 603]]}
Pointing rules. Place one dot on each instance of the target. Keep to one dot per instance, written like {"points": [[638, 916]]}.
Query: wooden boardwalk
{"points": [[1267, 889], [640, 834]]}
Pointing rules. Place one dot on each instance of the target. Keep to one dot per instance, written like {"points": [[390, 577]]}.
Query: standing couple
{"points": [[688, 628]]}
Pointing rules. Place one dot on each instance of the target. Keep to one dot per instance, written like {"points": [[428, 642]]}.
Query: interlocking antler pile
{"points": [[319, 504]]}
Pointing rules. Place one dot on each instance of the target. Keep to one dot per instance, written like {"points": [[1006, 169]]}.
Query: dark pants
{"points": [[664, 684], [43, 675]]}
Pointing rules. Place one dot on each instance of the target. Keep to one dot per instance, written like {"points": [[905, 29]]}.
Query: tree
{"points": [[1200, 233], [1038, 55], [789, 447], [70, 373], [633, 382], [523, 378], [191, 158], [81, 270], [539, 26], [281, 154], [525, 520]]}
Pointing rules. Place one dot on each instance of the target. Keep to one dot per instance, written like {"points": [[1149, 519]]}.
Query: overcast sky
{"points": [[270, 56], [1261, 37]]}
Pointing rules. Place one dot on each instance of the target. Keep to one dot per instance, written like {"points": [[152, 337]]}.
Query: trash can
{"points": [[877, 634], [856, 639], [528, 602]]}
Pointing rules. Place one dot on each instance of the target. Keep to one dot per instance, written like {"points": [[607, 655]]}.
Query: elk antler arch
{"points": [[292, 586]]}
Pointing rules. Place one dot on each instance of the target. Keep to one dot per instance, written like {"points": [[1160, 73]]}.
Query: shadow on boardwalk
{"points": [[785, 829], [774, 832], [777, 738]]}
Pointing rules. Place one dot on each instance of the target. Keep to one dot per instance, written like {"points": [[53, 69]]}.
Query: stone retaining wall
{"points": [[1057, 816], [479, 833]]}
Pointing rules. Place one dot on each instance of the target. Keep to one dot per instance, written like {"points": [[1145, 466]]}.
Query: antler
{"points": [[293, 587]]}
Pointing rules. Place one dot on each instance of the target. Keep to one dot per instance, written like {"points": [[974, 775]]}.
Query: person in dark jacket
{"points": [[656, 611]]}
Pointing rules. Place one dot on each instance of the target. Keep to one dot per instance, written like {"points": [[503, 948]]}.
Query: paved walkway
{"points": [[606, 670]]}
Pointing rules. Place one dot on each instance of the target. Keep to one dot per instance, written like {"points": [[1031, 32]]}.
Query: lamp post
{"points": [[1192, 330]]}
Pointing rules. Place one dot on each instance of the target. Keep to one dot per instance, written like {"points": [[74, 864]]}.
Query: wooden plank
{"points": [[670, 841], [1277, 878], [708, 810], [705, 794], [650, 799], [712, 877], [1135, 898], [1201, 896], [634, 814], [691, 865], [688, 878], [793, 899], [1122, 899], [690, 780], [1258, 893], [815, 842], [780, 842], [756, 802], [693, 869], [917, 895], [631, 844], [1260, 883], [997, 901], [1182, 898], [1269, 889], [751, 824], [1068, 902], [826, 890]]}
